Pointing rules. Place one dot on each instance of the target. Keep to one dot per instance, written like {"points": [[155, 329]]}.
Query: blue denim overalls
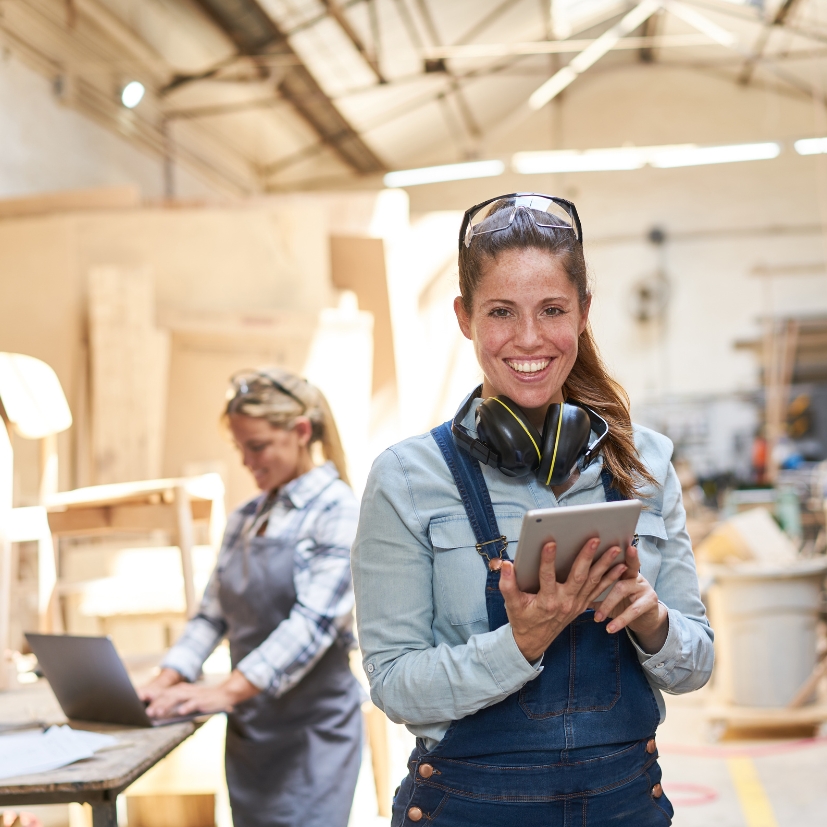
{"points": [[574, 747]]}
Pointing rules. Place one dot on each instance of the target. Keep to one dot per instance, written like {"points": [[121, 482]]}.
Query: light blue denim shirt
{"points": [[420, 602]]}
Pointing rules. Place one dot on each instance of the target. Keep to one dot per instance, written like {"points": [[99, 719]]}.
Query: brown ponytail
{"points": [[589, 381]]}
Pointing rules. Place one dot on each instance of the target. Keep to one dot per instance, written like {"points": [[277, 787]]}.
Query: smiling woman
{"points": [[281, 594], [536, 709]]}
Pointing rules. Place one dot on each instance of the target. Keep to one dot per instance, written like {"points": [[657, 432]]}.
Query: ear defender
{"points": [[506, 440], [506, 431], [566, 433]]}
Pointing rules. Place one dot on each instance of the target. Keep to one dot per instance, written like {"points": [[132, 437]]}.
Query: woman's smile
{"points": [[529, 368], [525, 323]]}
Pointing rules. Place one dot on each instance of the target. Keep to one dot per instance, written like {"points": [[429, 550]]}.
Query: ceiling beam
{"points": [[647, 53], [592, 53], [760, 44], [553, 47], [338, 14], [255, 33]]}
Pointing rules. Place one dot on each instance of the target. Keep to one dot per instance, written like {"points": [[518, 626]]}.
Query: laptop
{"points": [[90, 681]]}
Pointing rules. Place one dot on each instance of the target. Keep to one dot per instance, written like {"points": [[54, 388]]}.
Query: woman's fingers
{"points": [[509, 589], [642, 604], [579, 573], [620, 591], [188, 707], [548, 573], [633, 563], [602, 565], [167, 703], [606, 582]]}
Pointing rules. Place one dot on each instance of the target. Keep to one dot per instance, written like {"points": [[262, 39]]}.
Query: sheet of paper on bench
{"points": [[24, 753]]}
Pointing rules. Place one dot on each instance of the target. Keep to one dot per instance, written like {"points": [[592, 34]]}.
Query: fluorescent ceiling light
{"points": [[446, 172], [668, 157], [811, 146], [636, 157], [591, 160], [132, 94]]}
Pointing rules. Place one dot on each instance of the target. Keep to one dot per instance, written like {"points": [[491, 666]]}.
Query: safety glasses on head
{"points": [[507, 440], [254, 382], [498, 213]]}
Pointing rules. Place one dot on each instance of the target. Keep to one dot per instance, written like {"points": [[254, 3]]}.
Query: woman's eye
{"points": [[500, 312], [257, 448], [552, 311]]}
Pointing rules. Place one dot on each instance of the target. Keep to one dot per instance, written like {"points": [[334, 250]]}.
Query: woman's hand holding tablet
{"points": [[563, 566], [537, 619]]}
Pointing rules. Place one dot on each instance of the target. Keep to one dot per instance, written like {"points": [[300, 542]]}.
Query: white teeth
{"points": [[529, 367]]}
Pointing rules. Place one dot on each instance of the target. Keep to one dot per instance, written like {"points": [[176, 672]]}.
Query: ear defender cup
{"points": [[566, 433], [503, 427]]}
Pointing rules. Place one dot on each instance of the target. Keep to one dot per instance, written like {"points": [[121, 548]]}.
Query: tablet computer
{"points": [[571, 527]]}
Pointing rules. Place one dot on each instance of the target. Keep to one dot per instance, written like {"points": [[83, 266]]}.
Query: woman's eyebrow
{"points": [[512, 303]]}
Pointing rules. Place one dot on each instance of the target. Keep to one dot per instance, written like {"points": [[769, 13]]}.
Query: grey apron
{"points": [[290, 761]]}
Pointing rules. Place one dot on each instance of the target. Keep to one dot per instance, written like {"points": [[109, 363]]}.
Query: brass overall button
{"points": [[426, 770], [651, 746], [415, 814], [657, 791], [495, 564]]}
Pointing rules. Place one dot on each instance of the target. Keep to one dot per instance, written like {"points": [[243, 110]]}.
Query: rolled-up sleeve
{"points": [[414, 679], [684, 662]]}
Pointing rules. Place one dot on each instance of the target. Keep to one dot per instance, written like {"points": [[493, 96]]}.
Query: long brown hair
{"points": [[589, 380], [280, 410]]}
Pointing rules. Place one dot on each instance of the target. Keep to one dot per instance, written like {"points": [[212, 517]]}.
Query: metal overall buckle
{"points": [[494, 563]]}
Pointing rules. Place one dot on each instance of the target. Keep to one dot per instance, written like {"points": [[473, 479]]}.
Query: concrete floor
{"points": [[739, 781]]}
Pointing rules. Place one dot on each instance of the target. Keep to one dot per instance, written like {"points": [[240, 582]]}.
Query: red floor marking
{"points": [[689, 795]]}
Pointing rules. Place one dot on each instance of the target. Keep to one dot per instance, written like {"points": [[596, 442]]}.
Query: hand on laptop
{"points": [[169, 697], [162, 681]]}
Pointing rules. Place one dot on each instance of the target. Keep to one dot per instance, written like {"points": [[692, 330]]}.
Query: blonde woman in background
{"points": [[281, 593]]}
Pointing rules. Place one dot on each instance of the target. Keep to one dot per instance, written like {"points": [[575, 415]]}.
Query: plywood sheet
{"points": [[358, 264], [98, 198], [129, 367]]}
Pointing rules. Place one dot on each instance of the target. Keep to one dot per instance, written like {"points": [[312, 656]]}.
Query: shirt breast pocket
{"points": [[459, 575], [650, 529], [459, 570]]}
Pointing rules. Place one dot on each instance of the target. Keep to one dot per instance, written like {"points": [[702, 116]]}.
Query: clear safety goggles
{"points": [[254, 383], [498, 213]]}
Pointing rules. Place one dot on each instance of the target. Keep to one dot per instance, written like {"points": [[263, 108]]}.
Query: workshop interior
{"points": [[208, 205]]}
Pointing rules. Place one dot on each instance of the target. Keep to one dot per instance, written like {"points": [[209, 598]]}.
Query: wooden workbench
{"points": [[96, 781]]}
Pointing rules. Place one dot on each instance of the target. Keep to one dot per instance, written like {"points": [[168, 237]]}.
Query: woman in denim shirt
{"points": [[528, 709]]}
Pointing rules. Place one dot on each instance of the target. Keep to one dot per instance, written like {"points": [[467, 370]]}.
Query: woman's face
{"points": [[525, 322], [274, 456]]}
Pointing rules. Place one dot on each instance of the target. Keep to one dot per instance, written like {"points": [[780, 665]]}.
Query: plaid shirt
{"points": [[317, 513]]}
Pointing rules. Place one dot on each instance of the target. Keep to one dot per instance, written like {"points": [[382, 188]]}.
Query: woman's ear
{"points": [[303, 429], [462, 317]]}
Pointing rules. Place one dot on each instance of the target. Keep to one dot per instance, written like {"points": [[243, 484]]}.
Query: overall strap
{"points": [[612, 494], [491, 544]]}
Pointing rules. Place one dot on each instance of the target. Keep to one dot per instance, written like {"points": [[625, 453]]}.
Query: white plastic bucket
{"points": [[765, 629]]}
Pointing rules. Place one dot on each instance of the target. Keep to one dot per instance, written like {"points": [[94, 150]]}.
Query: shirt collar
{"points": [[307, 487]]}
